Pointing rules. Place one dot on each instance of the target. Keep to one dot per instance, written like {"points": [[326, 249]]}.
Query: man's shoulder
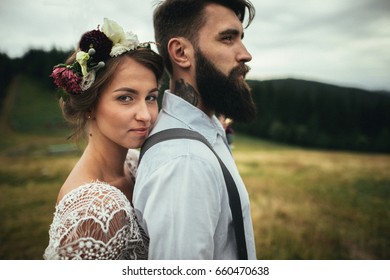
{"points": [[179, 148]]}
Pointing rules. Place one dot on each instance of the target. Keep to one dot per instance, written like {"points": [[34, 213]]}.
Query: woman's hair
{"points": [[184, 18], [76, 108]]}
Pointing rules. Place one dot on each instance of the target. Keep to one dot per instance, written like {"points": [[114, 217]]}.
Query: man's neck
{"points": [[186, 91]]}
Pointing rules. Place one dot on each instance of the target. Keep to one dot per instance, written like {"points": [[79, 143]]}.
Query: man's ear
{"points": [[180, 51]]}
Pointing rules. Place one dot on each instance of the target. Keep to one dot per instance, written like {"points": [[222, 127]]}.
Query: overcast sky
{"points": [[342, 42]]}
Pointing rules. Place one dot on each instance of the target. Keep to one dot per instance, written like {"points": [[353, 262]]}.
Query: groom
{"points": [[180, 195]]}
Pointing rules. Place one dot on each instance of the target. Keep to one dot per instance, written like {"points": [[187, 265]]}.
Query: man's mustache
{"points": [[240, 70]]}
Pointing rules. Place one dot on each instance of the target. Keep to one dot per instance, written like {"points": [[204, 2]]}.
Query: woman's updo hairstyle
{"points": [[91, 68]]}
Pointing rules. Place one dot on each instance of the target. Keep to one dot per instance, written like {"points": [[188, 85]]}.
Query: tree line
{"points": [[299, 112], [35, 63], [314, 114]]}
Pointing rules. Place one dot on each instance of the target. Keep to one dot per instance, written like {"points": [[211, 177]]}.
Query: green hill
{"points": [[305, 203], [32, 108], [320, 115], [292, 111]]}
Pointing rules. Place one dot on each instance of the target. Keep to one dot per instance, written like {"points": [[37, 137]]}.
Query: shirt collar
{"points": [[192, 117]]}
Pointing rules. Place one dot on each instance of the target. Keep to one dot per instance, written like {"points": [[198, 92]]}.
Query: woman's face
{"points": [[127, 108]]}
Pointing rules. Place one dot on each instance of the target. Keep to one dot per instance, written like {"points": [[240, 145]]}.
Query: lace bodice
{"points": [[95, 221]]}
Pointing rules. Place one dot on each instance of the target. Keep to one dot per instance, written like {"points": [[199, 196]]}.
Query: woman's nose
{"points": [[143, 113]]}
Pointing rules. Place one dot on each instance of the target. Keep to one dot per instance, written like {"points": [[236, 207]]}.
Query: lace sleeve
{"points": [[96, 221]]}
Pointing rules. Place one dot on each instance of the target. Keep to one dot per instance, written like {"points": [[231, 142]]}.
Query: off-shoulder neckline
{"points": [[92, 183]]}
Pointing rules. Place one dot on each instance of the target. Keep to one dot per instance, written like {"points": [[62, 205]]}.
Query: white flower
{"points": [[82, 59], [129, 43], [122, 42], [113, 31], [88, 80]]}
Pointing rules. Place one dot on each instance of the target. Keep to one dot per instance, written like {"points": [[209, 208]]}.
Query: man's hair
{"points": [[184, 18]]}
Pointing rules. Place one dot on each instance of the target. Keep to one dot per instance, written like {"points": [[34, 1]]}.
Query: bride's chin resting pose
{"points": [[109, 96]]}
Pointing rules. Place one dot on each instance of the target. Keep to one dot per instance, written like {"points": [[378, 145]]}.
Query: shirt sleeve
{"points": [[179, 205]]}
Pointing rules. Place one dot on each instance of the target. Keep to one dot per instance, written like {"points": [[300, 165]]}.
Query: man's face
{"points": [[228, 95], [220, 65], [220, 38]]}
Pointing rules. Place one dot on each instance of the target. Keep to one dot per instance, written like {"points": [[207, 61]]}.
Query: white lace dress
{"points": [[96, 221]]}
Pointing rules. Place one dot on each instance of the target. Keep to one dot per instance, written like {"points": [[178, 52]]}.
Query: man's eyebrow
{"points": [[231, 31]]}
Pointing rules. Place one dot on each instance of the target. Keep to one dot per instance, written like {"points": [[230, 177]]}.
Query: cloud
{"points": [[344, 42], [46, 24]]}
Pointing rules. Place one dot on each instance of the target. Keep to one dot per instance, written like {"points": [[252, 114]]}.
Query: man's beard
{"points": [[227, 95]]}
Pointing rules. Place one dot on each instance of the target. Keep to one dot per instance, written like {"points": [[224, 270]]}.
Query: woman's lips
{"points": [[143, 131]]}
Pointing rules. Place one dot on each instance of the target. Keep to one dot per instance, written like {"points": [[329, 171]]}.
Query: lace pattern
{"points": [[96, 221], [131, 162]]}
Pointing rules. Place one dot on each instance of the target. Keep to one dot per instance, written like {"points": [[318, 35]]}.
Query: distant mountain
{"points": [[300, 84], [302, 112], [320, 115], [386, 92]]}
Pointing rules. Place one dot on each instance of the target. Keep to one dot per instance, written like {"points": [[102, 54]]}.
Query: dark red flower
{"points": [[65, 78], [99, 41]]}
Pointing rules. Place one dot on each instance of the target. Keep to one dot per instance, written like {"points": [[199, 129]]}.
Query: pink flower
{"points": [[65, 78]]}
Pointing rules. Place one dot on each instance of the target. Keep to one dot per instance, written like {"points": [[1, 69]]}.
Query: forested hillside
{"points": [[321, 115], [293, 111]]}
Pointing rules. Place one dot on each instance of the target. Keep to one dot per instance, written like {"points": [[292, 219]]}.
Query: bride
{"points": [[110, 95]]}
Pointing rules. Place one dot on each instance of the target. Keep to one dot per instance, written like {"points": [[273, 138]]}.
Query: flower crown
{"points": [[96, 46]]}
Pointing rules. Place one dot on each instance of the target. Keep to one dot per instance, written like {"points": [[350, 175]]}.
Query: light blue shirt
{"points": [[180, 195]]}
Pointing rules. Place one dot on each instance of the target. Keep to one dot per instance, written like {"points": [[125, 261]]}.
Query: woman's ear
{"points": [[181, 52], [89, 114]]}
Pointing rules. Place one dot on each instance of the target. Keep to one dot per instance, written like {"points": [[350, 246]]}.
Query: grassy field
{"points": [[309, 204], [306, 204]]}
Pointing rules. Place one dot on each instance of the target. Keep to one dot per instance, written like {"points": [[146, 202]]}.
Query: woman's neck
{"points": [[104, 160]]}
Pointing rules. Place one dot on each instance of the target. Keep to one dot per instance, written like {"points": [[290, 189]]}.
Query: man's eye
{"points": [[227, 38]]}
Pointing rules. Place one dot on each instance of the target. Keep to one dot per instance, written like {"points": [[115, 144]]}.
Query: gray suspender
{"points": [[234, 197]]}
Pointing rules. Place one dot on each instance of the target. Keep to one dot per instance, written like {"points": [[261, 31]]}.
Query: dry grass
{"points": [[310, 204], [306, 204], [30, 179]]}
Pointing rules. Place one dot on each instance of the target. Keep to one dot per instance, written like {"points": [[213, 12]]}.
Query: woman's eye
{"points": [[125, 98], [151, 98]]}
